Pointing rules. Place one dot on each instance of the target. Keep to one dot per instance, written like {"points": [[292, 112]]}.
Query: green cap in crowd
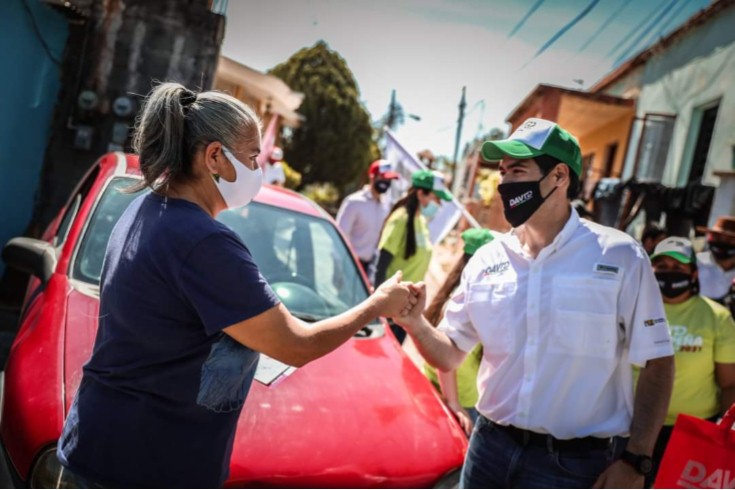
{"points": [[475, 238], [537, 137], [678, 248], [428, 180]]}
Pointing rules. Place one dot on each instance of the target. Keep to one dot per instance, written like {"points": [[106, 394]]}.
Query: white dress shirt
{"points": [[361, 218], [714, 282], [273, 173], [561, 332]]}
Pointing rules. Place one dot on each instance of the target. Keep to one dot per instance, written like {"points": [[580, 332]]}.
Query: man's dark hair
{"points": [[546, 163], [653, 231]]}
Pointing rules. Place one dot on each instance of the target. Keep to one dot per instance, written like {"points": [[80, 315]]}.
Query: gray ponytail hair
{"points": [[174, 122]]}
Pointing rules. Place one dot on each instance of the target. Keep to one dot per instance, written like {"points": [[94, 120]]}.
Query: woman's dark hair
{"points": [[175, 121], [434, 312], [546, 163], [653, 231], [411, 202]]}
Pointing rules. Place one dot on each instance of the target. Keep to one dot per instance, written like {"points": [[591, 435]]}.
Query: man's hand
{"points": [[415, 315], [619, 475], [395, 298]]}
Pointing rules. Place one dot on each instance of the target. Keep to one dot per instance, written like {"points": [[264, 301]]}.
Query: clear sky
{"points": [[428, 49]]}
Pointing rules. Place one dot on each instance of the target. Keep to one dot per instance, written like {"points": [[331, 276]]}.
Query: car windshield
{"points": [[302, 257]]}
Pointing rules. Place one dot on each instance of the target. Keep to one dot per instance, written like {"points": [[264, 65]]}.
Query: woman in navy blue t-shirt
{"points": [[184, 310]]}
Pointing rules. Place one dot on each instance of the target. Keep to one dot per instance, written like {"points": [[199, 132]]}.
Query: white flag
{"points": [[405, 164]]}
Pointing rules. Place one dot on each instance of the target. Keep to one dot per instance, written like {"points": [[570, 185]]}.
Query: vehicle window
{"points": [[302, 257], [67, 220], [91, 253], [80, 193]]}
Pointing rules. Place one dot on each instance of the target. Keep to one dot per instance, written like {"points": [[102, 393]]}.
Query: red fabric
{"points": [[700, 454]]}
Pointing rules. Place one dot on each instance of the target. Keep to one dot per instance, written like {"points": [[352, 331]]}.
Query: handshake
{"points": [[402, 301]]}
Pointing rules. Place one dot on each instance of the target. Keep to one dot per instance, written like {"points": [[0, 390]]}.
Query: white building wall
{"points": [[701, 81]]}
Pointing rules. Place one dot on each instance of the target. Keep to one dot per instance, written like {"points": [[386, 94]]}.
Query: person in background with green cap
{"points": [[459, 386], [404, 241], [703, 334], [563, 308]]}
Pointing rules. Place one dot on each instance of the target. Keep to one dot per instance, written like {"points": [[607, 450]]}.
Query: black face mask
{"points": [[381, 186], [521, 200], [674, 284], [721, 250]]}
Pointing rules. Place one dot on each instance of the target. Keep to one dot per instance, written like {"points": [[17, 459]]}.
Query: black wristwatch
{"points": [[642, 464]]}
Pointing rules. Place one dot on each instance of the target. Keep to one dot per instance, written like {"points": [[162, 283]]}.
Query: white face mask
{"points": [[246, 186]]}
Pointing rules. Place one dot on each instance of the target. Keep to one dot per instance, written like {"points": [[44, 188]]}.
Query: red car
{"points": [[362, 416]]}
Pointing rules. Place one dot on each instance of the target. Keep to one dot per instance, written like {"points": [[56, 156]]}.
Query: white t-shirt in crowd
{"points": [[361, 218], [714, 282], [561, 332], [273, 173]]}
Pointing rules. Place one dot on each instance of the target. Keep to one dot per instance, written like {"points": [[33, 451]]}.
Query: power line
{"points": [[604, 26], [563, 30], [530, 12], [631, 49], [652, 36], [644, 20], [671, 19]]}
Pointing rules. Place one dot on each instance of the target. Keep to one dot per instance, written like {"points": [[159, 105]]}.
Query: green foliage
{"points": [[334, 144], [324, 194]]}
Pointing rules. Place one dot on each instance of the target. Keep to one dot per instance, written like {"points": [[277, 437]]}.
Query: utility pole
{"points": [[462, 105]]}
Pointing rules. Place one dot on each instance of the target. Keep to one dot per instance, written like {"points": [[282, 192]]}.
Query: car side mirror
{"points": [[31, 256]]}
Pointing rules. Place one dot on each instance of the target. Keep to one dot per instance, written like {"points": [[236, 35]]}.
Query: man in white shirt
{"points": [[717, 265], [362, 213], [563, 308], [273, 173]]}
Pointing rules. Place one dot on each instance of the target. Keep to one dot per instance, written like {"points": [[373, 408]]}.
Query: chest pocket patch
{"points": [[226, 376], [585, 316]]}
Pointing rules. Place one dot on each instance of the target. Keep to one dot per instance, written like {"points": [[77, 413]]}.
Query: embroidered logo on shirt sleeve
{"points": [[653, 321]]}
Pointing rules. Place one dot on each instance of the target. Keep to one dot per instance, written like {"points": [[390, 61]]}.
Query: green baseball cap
{"points": [[475, 238], [428, 180], [537, 137], [677, 248]]}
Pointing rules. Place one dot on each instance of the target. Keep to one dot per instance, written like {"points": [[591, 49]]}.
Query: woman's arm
{"points": [[725, 376], [384, 260], [448, 383], [283, 337]]}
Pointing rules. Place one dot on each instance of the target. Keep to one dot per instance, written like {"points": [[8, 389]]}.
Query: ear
{"points": [[214, 158], [562, 173]]}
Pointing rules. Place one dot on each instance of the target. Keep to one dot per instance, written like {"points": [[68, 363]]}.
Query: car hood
{"points": [[361, 416]]}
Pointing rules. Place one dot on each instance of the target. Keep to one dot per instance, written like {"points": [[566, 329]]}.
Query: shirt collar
{"points": [[559, 241], [368, 193]]}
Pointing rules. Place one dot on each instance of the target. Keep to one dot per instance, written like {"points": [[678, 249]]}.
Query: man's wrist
{"points": [[641, 463]]}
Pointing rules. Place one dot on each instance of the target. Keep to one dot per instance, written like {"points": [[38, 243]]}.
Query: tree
{"points": [[334, 143]]}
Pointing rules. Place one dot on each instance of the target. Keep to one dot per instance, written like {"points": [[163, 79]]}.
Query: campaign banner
{"points": [[405, 164]]}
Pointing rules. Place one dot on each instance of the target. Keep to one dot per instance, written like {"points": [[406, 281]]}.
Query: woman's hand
{"points": [[395, 298], [464, 419]]}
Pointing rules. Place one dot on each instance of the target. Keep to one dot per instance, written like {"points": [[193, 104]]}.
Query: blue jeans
{"points": [[495, 460]]}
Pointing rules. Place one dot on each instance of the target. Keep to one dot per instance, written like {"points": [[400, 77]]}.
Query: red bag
{"points": [[700, 454]]}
